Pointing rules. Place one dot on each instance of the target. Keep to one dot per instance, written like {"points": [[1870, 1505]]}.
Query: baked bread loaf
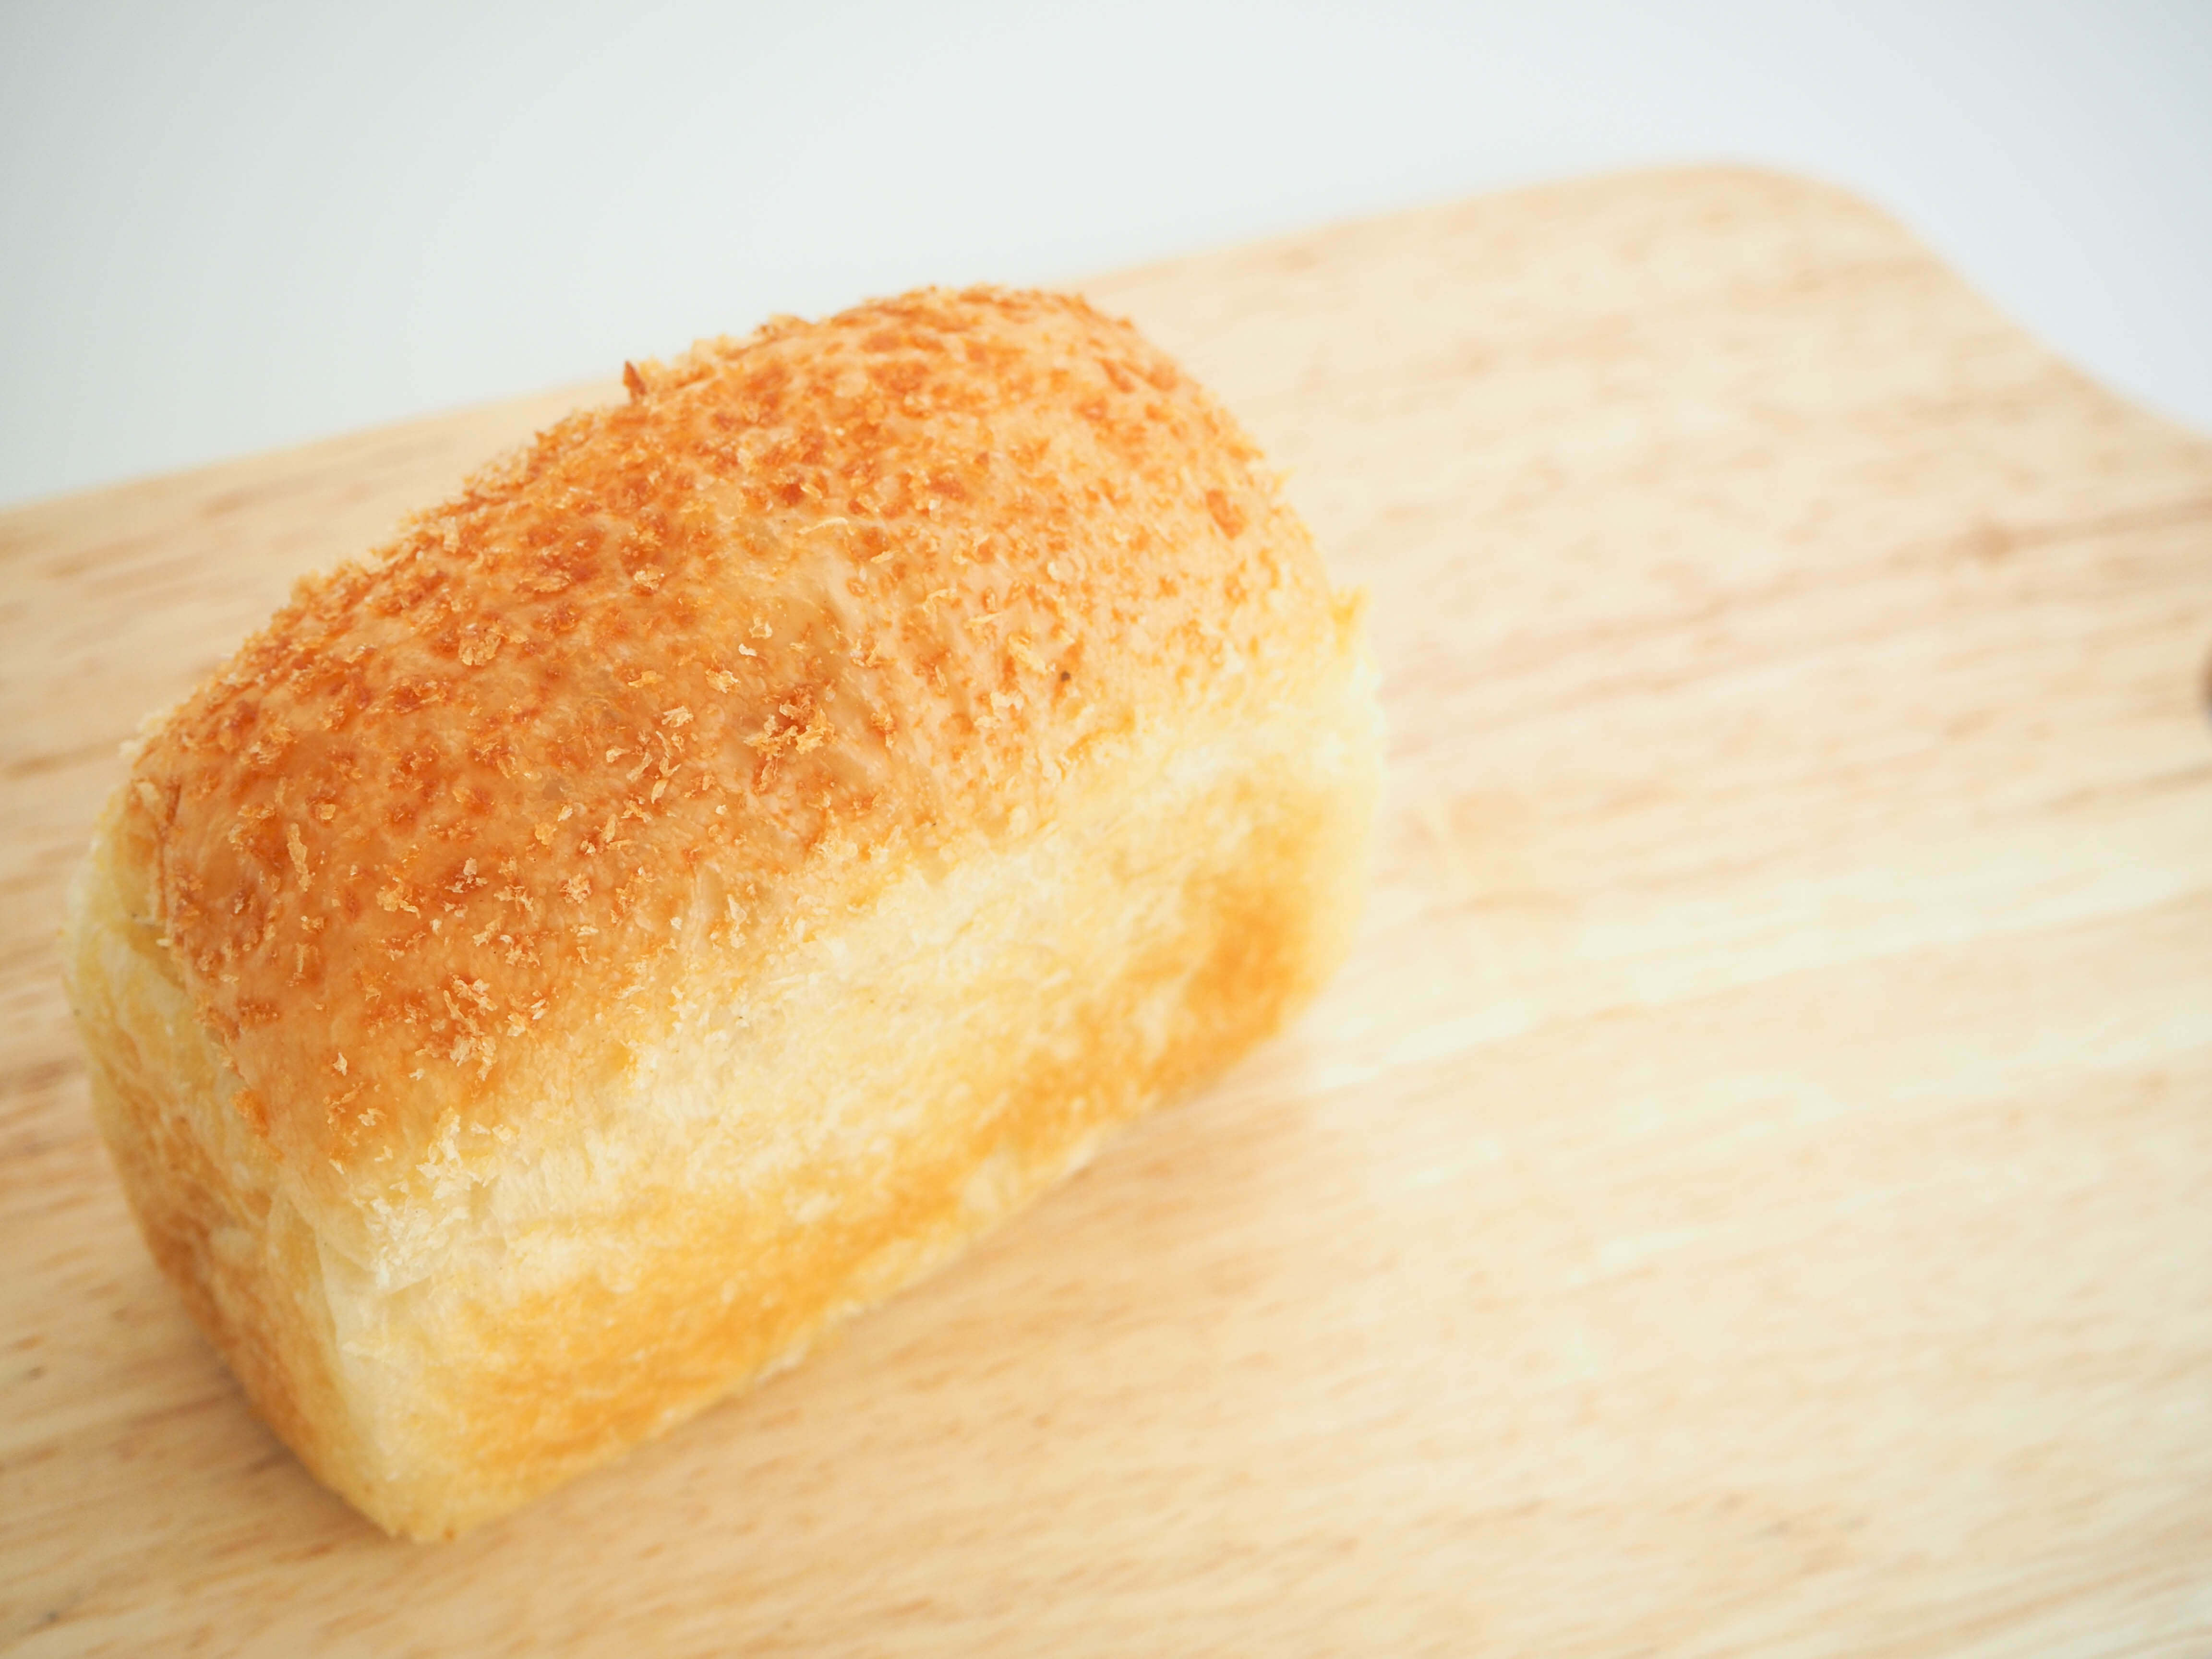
{"points": [[695, 880]]}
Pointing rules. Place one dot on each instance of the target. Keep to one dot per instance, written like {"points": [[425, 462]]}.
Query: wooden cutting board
{"points": [[1751, 1192]]}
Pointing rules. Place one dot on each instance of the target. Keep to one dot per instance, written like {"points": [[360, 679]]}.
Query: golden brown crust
{"points": [[693, 881], [835, 590]]}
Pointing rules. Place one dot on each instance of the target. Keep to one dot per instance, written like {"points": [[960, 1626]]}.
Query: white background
{"points": [[225, 227]]}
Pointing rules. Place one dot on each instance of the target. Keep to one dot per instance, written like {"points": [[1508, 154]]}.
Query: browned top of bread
{"points": [[807, 604]]}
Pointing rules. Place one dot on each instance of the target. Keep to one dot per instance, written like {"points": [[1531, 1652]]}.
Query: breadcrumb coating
{"points": [[676, 678]]}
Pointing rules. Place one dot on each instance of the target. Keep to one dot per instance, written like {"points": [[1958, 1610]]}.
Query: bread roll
{"points": [[695, 880]]}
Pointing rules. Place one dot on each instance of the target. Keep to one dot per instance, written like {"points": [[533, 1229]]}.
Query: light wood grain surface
{"points": [[1751, 1192]]}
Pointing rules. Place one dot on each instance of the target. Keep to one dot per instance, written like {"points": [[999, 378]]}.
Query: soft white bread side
{"points": [[701, 876]]}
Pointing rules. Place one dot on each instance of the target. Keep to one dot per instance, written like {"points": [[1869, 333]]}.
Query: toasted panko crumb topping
{"points": [[682, 669]]}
